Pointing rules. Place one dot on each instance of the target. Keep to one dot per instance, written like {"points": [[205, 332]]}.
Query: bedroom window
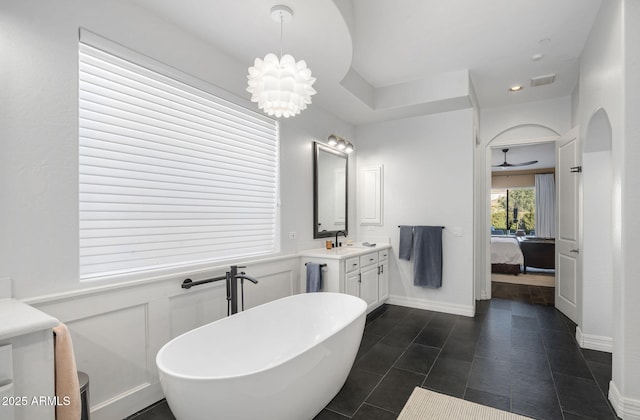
{"points": [[513, 210], [173, 173]]}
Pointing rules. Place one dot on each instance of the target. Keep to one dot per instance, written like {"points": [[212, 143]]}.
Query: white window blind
{"points": [[170, 175]]}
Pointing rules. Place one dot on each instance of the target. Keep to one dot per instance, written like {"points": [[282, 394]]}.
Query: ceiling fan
{"points": [[509, 165]]}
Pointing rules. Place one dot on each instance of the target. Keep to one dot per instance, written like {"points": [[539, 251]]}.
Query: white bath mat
{"points": [[425, 404]]}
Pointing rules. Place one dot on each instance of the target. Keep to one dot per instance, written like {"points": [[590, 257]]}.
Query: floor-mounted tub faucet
{"points": [[232, 288], [231, 278]]}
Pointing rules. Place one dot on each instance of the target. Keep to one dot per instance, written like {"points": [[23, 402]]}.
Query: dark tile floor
{"points": [[513, 355], [533, 294]]}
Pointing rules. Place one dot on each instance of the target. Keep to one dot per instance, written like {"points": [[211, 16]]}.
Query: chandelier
{"points": [[281, 86]]}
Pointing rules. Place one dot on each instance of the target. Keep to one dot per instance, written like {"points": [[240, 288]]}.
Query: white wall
{"points": [[527, 120], [631, 209], [596, 303], [610, 80], [428, 180], [117, 328]]}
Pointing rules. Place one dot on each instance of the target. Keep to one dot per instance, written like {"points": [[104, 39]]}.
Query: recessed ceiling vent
{"points": [[543, 80]]}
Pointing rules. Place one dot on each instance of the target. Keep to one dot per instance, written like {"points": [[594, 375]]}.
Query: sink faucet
{"points": [[338, 233]]}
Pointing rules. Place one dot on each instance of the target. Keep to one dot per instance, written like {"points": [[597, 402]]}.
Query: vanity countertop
{"points": [[343, 252], [18, 318]]}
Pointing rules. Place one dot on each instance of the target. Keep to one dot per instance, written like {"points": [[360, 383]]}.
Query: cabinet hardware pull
{"points": [[359, 278], [378, 270], [382, 269]]}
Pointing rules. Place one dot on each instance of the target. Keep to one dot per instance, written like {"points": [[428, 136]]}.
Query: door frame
{"points": [[486, 197]]}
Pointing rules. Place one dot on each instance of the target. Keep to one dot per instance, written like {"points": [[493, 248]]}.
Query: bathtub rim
{"points": [[170, 372]]}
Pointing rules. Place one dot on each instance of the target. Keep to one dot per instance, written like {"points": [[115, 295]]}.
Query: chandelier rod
{"points": [[281, 33]]}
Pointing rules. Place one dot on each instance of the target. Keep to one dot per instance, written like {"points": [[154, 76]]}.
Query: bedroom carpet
{"points": [[545, 280], [424, 404]]}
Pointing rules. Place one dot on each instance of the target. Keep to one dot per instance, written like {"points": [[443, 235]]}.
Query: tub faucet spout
{"points": [[243, 276]]}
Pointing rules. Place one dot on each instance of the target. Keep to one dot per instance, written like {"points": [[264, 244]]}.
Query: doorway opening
{"points": [[523, 253]]}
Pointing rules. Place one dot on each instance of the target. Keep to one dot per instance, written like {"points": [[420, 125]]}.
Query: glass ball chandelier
{"points": [[281, 86]]}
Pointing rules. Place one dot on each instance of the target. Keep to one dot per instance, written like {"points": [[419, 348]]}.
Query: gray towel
{"points": [[427, 255], [314, 277], [406, 242]]}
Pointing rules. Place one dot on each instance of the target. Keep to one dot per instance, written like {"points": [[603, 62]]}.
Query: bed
{"points": [[506, 255]]}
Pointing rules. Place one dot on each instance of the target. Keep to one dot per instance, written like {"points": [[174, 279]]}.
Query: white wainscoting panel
{"points": [[200, 305], [112, 349], [118, 330]]}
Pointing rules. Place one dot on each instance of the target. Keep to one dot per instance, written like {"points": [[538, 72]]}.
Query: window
{"points": [[170, 174], [513, 209]]}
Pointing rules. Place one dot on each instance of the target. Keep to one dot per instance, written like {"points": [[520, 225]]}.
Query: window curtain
{"points": [[545, 206]]}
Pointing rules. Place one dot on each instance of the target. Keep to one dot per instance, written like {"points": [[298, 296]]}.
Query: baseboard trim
{"points": [[128, 403], [626, 408], [450, 308], [594, 342]]}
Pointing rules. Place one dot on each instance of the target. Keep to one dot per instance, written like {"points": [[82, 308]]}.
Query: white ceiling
{"points": [[387, 44]]}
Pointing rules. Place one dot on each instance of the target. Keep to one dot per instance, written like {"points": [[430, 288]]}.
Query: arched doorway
{"points": [[517, 135]]}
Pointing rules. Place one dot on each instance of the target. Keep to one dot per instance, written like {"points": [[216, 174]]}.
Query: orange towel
{"points": [[67, 387]]}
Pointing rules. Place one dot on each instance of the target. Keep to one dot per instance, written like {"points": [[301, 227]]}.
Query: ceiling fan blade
{"points": [[531, 162], [508, 165]]}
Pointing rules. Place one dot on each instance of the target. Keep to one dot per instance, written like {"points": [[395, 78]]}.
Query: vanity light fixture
{"points": [[281, 86], [340, 143]]}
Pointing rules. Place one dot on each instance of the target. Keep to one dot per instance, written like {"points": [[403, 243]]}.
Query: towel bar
{"points": [[321, 265], [442, 227]]}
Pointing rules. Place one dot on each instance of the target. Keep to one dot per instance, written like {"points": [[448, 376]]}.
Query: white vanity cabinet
{"points": [[383, 275], [358, 271], [369, 279], [26, 362]]}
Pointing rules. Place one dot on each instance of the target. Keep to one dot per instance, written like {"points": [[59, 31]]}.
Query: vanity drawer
{"points": [[383, 255], [368, 259], [352, 264]]}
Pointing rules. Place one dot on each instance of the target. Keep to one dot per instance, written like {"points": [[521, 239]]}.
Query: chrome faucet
{"points": [[338, 233]]}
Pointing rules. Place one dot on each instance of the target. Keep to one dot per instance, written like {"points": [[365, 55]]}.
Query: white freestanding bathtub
{"points": [[282, 360]]}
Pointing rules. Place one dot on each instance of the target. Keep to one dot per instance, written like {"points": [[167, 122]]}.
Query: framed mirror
{"points": [[330, 202]]}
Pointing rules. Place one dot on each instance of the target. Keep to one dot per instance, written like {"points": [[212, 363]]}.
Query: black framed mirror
{"points": [[330, 180]]}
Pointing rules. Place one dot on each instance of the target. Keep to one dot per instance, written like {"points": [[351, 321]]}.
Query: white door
{"points": [[567, 252]]}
